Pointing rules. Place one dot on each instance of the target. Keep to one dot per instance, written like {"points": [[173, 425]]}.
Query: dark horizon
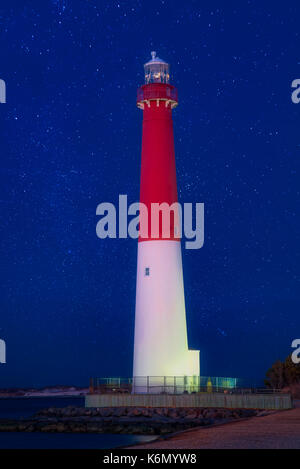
{"points": [[71, 139]]}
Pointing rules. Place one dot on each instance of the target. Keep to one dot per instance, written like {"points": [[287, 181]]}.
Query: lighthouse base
{"points": [[161, 351]]}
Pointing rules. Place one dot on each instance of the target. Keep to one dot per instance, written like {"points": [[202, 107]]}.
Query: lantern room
{"points": [[156, 70]]}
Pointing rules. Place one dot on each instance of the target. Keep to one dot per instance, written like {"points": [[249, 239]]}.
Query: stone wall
{"points": [[229, 401]]}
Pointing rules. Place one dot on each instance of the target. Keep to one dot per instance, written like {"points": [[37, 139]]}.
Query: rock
{"points": [[106, 412], [21, 427], [94, 428], [172, 413], [61, 427], [200, 420], [164, 430], [136, 412], [262, 413], [206, 421], [210, 414], [49, 428], [8, 427], [129, 420], [30, 428], [114, 429], [75, 428], [135, 429], [119, 412], [191, 415], [181, 412]]}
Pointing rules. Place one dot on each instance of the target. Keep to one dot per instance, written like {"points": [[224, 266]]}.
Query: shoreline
{"points": [[46, 396], [169, 436], [122, 420], [276, 430], [47, 391]]}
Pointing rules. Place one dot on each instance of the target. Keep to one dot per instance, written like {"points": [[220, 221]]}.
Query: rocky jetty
{"points": [[49, 391], [129, 420]]}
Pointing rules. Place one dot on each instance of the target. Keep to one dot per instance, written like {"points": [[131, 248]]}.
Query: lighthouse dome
{"points": [[156, 70]]}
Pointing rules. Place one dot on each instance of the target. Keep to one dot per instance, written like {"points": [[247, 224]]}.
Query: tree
{"points": [[292, 371], [283, 374]]}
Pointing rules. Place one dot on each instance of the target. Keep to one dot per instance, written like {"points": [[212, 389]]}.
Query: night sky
{"points": [[71, 139]]}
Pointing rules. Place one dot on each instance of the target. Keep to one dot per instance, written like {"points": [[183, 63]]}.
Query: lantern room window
{"points": [[156, 70]]}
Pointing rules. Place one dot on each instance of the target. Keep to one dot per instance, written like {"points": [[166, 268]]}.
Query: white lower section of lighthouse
{"points": [[160, 343]]}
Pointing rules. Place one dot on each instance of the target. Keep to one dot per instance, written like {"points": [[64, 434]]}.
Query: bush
{"points": [[283, 374]]}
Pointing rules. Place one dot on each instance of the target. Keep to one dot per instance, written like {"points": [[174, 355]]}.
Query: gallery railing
{"points": [[157, 91]]}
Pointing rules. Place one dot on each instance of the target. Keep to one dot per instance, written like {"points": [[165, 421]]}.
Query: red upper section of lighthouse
{"points": [[158, 172]]}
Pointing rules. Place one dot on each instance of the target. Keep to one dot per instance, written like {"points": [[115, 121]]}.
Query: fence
{"points": [[172, 385]]}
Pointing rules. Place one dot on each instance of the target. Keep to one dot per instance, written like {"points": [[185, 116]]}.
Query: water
{"points": [[24, 407], [17, 407], [12, 440]]}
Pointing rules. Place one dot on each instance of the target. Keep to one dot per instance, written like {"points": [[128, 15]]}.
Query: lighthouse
{"points": [[162, 359]]}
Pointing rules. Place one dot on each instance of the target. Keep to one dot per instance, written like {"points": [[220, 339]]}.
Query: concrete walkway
{"points": [[280, 430]]}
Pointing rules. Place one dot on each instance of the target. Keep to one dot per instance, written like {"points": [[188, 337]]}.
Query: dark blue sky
{"points": [[70, 139]]}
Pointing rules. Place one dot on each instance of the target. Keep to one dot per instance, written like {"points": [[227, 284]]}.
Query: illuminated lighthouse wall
{"points": [[160, 342]]}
